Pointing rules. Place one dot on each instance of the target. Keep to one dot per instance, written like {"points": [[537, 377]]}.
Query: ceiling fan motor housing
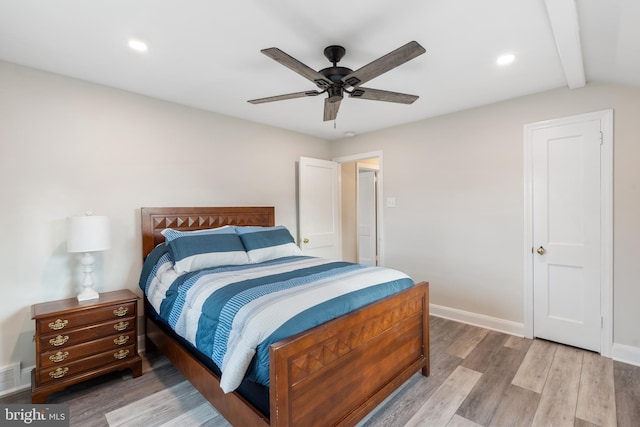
{"points": [[335, 74], [334, 54]]}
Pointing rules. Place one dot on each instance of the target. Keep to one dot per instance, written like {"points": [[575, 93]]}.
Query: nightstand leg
{"points": [[136, 369]]}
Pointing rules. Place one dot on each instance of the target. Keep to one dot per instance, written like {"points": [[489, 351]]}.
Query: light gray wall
{"points": [[459, 220], [68, 146]]}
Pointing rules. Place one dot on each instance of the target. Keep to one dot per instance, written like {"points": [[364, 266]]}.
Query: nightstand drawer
{"points": [[66, 370], [63, 339], [62, 323], [68, 354]]}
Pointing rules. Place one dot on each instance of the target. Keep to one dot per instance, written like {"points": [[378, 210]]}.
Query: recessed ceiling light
{"points": [[349, 134], [506, 59], [138, 45]]}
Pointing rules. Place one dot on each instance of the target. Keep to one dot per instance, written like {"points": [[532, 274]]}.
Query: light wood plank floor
{"points": [[478, 378]]}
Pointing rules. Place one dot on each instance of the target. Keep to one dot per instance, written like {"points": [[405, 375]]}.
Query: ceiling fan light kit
{"points": [[336, 81]]}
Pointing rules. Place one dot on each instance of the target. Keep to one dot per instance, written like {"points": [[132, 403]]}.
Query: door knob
{"points": [[541, 250], [305, 240]]}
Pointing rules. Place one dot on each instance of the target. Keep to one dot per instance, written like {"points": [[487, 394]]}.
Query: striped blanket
{"points": [[234, 313]]}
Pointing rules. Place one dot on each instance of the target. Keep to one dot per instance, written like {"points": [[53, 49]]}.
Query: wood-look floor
{"points": [[478, 378]]}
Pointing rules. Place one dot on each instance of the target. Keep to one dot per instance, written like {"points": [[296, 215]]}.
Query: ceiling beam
{"points": [[563, 17]]}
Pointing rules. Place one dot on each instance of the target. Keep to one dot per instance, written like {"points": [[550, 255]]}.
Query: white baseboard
{"points": [[475, 319], [621, 353], [626, 354]]}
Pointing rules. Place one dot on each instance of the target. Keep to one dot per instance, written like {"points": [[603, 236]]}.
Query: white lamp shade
{"points": [[87, 233]]}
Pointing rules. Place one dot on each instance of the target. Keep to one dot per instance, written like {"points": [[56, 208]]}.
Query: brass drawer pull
{"points": [[58, 324], [121, 311], [121, 354], [59, 373], [121, 326], [121, 340], [59, 340], [59, 356]]}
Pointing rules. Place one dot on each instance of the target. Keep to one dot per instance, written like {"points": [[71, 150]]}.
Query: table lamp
{"points": [[87, 234]]}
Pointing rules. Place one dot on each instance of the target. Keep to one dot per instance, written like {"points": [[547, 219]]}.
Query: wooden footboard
{"points": [[339, 371]]}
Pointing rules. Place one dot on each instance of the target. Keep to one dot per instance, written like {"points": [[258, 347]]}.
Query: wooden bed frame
{"points": [[333, 374]]}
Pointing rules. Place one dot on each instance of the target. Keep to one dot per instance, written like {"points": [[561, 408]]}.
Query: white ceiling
{"points": [[206, 54]]}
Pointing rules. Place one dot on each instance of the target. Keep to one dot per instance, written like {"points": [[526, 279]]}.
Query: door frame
{"points": [[606, 221], [379, 189]]}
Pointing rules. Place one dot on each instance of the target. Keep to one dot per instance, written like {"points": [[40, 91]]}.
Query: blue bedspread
{"points": [[234, 313]]}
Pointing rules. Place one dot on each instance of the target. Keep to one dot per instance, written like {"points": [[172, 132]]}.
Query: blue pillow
{"points": [[267, 243], [195, 250]]}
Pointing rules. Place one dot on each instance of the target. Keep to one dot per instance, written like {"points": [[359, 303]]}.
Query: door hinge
{"points": [[601, 322], [601, 138]]}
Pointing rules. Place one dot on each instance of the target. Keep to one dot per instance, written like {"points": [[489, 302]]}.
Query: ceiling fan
{"points": [[336, 81]]}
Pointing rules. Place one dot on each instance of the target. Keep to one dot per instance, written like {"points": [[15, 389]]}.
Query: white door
{"points": [[319, 208], [367, 224], [566, 193]]}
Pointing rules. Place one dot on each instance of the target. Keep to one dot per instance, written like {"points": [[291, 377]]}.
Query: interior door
{"points": [[367, 218], [566, 233], [319, 208]]}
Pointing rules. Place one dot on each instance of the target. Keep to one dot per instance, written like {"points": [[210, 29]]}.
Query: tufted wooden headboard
{"points": [[154, 220]]}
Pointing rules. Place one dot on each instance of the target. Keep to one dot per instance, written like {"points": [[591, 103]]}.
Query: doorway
{"points": [[367, 213], [568, 220], [361, 228]]}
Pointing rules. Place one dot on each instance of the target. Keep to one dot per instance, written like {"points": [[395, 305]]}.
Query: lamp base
{"points": [[87, 294]]}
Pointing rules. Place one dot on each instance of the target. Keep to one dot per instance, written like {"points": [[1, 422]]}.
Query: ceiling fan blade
{"points": [[297, 66], [283, 97], [331, 109], [382, 95], [383, 64]]}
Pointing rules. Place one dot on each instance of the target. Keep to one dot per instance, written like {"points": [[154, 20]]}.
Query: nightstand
{"points": [[76, 341]]}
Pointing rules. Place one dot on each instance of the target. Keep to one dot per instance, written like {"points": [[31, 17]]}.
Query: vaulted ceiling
{"points": [[206, 54]]}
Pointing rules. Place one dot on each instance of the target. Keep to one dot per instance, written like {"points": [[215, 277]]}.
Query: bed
{"points": [[331, 374]]}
